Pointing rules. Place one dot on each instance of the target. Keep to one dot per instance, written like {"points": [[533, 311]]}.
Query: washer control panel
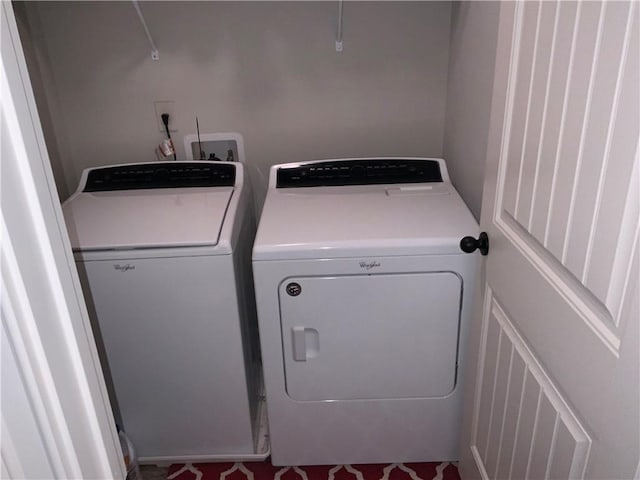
{"points": [[138, 176], [359, 172]]}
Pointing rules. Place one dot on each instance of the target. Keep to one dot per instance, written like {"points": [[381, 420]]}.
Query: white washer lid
{"points": [[153, 218]]}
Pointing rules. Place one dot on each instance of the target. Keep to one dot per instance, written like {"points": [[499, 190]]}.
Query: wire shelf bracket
{"points": [[155, 55], [339, 28]]}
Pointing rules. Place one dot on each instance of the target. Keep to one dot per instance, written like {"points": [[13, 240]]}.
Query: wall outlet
{"points": [[165, 106]]}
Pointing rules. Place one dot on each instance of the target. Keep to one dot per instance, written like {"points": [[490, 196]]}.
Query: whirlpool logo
{"points": [[369, 265], [124, 268]]}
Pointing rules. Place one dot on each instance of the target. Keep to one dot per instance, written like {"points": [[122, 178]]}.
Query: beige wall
{"points": [[474, 33], [268, 70]]}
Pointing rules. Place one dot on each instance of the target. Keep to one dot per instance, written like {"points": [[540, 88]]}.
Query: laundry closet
{"points": [[296, 81], [538, 104]]}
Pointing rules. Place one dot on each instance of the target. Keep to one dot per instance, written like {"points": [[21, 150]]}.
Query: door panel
{"points": [[575, 110], [594, 248], [561, 206], [524, 426], [370, 336], [593, 266]]}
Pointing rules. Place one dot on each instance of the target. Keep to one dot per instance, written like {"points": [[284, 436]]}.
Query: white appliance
{"points": [[363, 298], [164, 255]]}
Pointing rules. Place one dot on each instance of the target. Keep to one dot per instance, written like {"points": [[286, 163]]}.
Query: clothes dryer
{"points": [[363, 298], [164, 255]]}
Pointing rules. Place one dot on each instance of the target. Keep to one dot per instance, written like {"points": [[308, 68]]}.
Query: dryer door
{"points": [[370, 336]]}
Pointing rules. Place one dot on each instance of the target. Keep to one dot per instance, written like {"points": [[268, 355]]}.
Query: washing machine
{"points": [[163, 251], [363, 298]]}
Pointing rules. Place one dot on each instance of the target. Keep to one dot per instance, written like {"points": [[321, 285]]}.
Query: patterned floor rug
{"points": [[266, 471]]}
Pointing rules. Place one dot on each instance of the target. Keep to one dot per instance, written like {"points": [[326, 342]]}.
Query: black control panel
{"points": [[161, 175], [359, 172]]}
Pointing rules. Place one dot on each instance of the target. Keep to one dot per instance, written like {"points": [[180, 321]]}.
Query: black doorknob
{"points": [[470, 244]]}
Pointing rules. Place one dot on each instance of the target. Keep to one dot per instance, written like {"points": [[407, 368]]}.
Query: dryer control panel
{"points": [[359, 172], [138, 176]]}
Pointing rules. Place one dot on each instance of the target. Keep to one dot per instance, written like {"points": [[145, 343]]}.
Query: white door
{"points": [[554, 370]]}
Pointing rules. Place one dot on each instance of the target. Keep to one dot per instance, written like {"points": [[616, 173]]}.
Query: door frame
{"points": [[52, 347], [468, 467]]}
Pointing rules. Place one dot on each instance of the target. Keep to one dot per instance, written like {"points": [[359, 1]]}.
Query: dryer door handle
{"points": [[305, 342], [299, 344]]}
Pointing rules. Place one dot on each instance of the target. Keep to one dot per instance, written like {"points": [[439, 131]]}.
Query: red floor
{"points": [[266, 471]]}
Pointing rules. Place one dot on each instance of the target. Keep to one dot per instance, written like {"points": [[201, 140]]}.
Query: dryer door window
{"points": [[370, 336]]}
